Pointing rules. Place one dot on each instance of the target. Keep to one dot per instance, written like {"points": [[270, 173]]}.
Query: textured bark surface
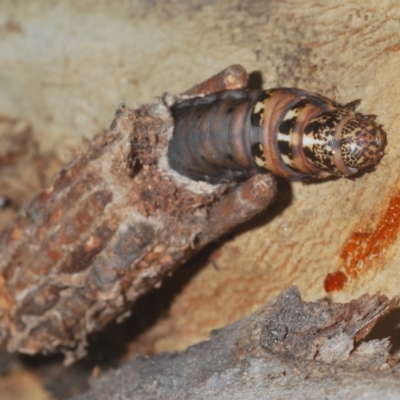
{"points": [[65, 67], [269, 355]]}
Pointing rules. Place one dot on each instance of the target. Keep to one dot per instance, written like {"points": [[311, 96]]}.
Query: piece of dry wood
{"points": [[287, 349], [112, 224]]}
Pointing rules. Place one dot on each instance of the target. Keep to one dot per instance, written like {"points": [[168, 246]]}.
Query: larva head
{"points": [[341, 142], [362, 143]]}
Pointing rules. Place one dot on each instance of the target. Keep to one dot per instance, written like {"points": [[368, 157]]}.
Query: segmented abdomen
{"points": [[287, 131]]}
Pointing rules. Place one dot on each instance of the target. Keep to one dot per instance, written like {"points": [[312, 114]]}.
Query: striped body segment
{"points": [[286, 131]]}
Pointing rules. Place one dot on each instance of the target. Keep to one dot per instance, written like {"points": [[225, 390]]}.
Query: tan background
{"points": [[65, 66]]}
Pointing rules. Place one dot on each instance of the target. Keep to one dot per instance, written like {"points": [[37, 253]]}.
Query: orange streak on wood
{"points": [[393, 48], [363, 248], [335, 281]]}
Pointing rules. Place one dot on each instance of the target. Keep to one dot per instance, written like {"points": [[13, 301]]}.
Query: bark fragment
{"points": [[251, 358]]}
